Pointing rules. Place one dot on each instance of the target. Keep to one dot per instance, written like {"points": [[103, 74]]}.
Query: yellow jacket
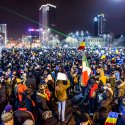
{"points": [[103, 79], [60, 91]]}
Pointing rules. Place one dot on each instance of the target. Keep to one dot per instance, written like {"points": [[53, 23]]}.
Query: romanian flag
{"points": [[85, 71], [112, 118], [82, 46]]}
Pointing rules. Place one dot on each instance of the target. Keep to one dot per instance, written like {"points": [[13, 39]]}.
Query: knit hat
{"points": [[6, 117], [8, 108], [28, 122]]}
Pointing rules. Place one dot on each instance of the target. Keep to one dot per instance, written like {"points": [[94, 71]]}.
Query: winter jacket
{"points": [[105, 108], [21, 115], [93, 89], [21, 91], [41, 100], [60, 91], [2, 98], [103, 79], [2, 95], [112, 80]]}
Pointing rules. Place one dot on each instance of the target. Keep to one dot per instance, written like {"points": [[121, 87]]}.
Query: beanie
{"points": [[6, 117], [8, 108]]}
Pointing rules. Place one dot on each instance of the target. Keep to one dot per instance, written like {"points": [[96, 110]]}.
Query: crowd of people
{"points": [[35, 85]]}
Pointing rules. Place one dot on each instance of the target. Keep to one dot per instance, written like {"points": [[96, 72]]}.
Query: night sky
{"points": [[71, 15]]}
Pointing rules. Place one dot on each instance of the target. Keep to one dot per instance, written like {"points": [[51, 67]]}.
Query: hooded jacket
{"points": [[60, 91], [41, 100], [21, 115]]}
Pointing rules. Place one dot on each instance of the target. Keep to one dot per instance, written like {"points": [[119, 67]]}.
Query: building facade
{"points": [[100, 25], [94, 41], [3, 34]]}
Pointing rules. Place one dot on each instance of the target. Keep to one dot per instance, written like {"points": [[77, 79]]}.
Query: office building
{"points": [[100, 25], [46, 21]]}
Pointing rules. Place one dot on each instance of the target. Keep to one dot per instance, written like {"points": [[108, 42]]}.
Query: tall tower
{"points": [[100, 24], [44, 22]]}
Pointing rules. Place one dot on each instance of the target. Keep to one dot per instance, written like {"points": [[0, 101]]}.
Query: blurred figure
{"points": [[7, 119], [3, 97], [21, 115], [21, 90], [86, 120], [42, 98]]}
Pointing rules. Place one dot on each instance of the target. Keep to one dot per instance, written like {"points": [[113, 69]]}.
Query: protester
{"points": [[3, 97], [22, 114], [30, 84], [61, 95], [41, 100], [86, 120]]}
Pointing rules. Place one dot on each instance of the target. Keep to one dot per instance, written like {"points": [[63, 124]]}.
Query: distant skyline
{"points": [[72, 15]]}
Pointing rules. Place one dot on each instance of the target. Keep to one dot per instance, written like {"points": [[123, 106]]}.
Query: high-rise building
{"points": [[100, 25], [52, 17], [46, 20], [3, 34]]}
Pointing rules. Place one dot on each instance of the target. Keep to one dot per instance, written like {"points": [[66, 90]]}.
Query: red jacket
{"points": [[93, 89], [21, 89]]}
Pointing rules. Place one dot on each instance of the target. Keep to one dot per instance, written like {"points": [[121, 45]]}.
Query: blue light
{"points": [[30, 30]]}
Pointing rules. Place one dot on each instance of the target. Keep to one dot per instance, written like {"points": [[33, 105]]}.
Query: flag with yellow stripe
{"points": [[112, 118], [82, 46]]}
